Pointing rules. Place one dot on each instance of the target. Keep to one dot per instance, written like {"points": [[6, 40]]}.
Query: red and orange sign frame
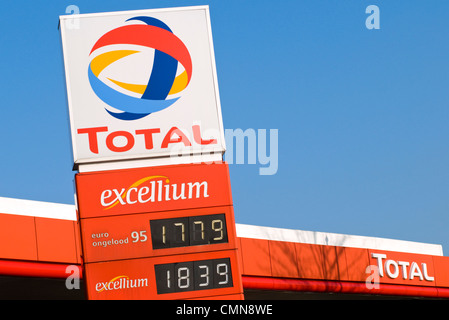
{"points": [[116, 210]]}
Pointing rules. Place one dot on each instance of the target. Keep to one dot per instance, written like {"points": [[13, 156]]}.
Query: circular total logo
{"points": [[131, 101]]}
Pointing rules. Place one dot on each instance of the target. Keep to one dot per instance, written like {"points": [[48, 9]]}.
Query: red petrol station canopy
{"points": [[39, 239]]}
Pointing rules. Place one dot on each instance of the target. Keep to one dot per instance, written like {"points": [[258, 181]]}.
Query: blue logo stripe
{"points": [[162, 76], [152, 22], [124, 102], [126, 115]]}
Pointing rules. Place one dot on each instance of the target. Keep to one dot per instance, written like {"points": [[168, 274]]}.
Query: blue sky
{"points": [[362, 114]]}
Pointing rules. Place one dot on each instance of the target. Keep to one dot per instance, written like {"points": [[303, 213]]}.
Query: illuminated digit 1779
{"points": [[188, 231]]}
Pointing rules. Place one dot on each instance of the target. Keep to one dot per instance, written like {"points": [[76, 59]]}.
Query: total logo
{"points": [[174, 136], [404, 269], [165, 74]]}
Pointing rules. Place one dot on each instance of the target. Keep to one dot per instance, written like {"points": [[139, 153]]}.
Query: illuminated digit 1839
{"points": [[193, 275]]}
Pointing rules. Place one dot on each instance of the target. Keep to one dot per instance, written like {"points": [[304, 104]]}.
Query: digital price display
{"points": [[187, 276], [189, 231], [166, 232], [155, 234], [193, 275]]}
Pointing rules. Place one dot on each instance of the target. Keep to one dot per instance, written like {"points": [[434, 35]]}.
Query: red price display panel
{"points": [[157, 234], [189, 276]]}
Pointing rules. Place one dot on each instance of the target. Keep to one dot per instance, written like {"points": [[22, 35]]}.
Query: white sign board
{"points": [[141, 85]]}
